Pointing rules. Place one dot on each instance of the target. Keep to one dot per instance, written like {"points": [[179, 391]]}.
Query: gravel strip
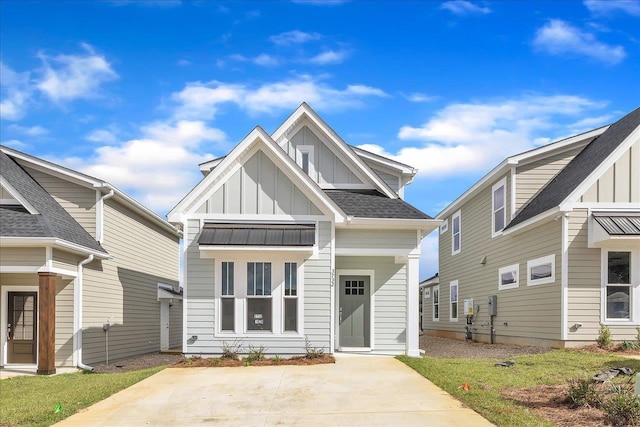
{"points": [[438, 347]]}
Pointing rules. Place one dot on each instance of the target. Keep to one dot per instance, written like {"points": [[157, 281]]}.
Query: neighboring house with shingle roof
{"points": [[554, 235], [297, 235], [75, 254]]}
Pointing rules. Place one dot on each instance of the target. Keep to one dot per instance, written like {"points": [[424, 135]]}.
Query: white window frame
{"points": [[435, 301], [549, 259], [291, 297], [634, 288], [509, 269], [444, 227], [457, 215], [228, 296], [451, 301], [309, 150], [502, 183]]}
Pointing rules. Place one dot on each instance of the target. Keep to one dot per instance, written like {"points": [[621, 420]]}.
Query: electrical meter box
{"points": [[468, 307], [492, 302]]}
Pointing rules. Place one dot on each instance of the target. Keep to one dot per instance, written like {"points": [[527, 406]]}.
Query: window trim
{"points": [[310, 150], [290, 297], [444, 227], [634, 290], [502, 183], [457, 215], [435, 289], [508, 269], [548, 259], [457, 301]]}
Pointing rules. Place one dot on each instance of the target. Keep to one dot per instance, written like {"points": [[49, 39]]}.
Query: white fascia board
{"points": [[205, 167], [597, 173], [16, 195], [520, 159], [537, 220], [305, 110], [385, 161], [9, 241], [189, 203], [395, 223]]}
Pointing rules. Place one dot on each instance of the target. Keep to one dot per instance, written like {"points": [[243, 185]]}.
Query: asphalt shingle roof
{"points": [[569, 178], [52, 219], [373, 204]]}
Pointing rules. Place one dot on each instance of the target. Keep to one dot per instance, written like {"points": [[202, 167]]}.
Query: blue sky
{"points": [[138, 93]]}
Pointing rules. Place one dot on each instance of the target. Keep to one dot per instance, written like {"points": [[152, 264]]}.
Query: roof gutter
{"points": [[10, 241], [77, 316], [542, 218]]}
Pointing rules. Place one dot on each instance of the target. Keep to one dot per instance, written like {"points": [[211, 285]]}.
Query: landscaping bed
{"points": [[225, 362]]}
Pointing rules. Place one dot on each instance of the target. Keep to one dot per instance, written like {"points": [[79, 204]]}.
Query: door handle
{"points": [[8, 331], [340, 316]]}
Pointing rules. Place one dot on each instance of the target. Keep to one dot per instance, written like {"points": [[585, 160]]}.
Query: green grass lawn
{"points": [[486, 381], [32, 401]]}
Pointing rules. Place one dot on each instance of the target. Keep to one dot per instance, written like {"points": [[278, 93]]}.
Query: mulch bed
{"points": [[215, 362]]}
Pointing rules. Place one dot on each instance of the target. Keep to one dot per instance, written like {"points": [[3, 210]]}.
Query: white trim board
{"points": [[372, 286]]}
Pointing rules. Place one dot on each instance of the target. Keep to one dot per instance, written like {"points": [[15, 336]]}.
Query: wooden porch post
{"points": [[47, 324]]}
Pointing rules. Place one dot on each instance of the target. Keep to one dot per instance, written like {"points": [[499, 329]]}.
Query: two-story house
{"points": [[87, 274], [545, 247], [297, 237]]}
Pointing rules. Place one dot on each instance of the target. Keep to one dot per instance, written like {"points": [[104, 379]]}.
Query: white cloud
{"points": [[329, 57], [184, 62], [294, 37], [29, 131], [429, 255], [559, 38], [605, 7], [15, 93], [589, 123], [202, 100], [102, 135], [264, 60], [158, 167], [17, 144], [419, 97], [69, 77], [464, 7], [321, 2], [473, 137]]}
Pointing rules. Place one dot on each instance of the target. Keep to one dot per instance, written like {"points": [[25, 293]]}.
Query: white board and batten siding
{"points": [[123, 290], [200, 297], [620, 183]]}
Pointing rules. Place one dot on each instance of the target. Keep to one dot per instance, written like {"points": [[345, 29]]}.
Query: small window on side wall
{"points": [[541, 270], [453, 293], [436, 303], [509, 277], [498, 207], [618, 286], [456, 233], [444, 227]]}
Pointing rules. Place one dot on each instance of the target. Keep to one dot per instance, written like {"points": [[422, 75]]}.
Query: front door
{"points": [[21, 327], [164, 325], [354, 311]]}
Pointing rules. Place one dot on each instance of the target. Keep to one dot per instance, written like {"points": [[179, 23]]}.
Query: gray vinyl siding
{"points": [[585, 284], [175, 324], [79, 201], [530, 312], [259, 187], [393, 181], [532, 177], [329, 169], [389, 300], [200, 297], [376, 239], [22, 257], [4, 194], [123, 290], [620, 183]]}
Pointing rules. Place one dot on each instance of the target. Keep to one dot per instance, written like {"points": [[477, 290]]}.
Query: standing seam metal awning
{"points": [[258, 235], [619, 224]]}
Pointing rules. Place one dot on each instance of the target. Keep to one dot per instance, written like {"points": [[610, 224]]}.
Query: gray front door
{"points": [[354, 311], [21, 327]]}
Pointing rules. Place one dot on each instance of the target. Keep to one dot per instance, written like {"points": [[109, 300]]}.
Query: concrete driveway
{"points": [[355, 391]]}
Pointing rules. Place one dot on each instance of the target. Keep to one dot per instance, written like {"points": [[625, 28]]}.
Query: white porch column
{"points": [[413, 317]]}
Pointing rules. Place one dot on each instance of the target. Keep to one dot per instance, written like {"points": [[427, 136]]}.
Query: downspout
{"points": [[100, 216], [78, 315]]}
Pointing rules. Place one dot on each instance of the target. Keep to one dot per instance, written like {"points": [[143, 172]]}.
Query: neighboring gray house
{"points": [[77, 254], [297, 235], [554, 235]]}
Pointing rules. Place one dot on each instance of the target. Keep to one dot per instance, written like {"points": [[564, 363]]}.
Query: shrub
{"points": [[623, 408], [604, 336], [255, 353], [312, 352], [582, 392], [630, 345], [277, 359], [231, 351]]}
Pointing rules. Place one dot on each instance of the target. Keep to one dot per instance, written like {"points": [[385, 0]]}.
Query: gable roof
{"points": [[51, 221], [373, 204], [581, 167]]}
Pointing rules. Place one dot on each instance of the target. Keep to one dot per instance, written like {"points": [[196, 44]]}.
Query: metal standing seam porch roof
{"points": [[619, 224], [216, 234]]}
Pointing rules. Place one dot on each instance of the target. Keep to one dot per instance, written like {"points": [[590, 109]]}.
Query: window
{"points": [[453, 292], [227, 299], [509, 277], [304, 158], [259, 296], [456, 233], [436, 303], [618, 286], [444, 227], [499, 217], [290, 296], [541, 270]]}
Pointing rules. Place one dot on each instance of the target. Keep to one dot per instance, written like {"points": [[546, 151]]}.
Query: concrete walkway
{"points": [[355, 391]]}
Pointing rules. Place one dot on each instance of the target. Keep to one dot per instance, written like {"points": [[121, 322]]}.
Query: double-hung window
{"points": [[436, 303], [290, 296], [259, 305], [456, 233], [227, 298], [618, 287], [499, 218], [453, 293]]}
